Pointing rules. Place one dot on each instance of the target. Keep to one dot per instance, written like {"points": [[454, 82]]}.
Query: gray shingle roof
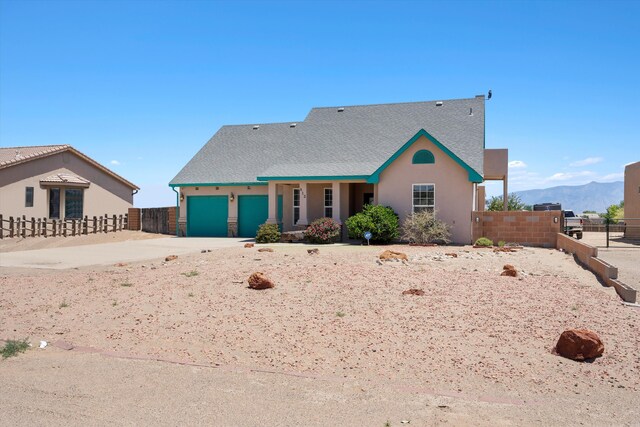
{"points": [[356, 141]]}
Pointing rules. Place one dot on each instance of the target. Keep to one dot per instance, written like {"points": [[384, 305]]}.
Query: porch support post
{"points": [[336, 201], [505, 195], [303, 204], [273, 203]]}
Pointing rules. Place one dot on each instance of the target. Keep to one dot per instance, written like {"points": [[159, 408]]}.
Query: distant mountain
{"points": [[594, 196]]}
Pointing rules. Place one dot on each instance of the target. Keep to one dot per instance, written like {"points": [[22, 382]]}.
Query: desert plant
{"points": [[192, 273], [268, 233], [381, 221], [322, 231], [13, 347], [501, 243], [424, 227], [483, 241], [126, 285], [63, 304]]}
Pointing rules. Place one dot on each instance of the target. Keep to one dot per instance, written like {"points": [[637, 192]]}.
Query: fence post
{"points": [[119, 223], [85, 226], [24, 226], [607, 229], [11, 227], [44, 227], [115, 228], [64, 228], [39, 227], [1, 227], [106, 224], [126, 221], [54, 227]]}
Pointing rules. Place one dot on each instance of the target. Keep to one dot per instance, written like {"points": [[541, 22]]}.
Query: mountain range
{"points": [[594, 196]]}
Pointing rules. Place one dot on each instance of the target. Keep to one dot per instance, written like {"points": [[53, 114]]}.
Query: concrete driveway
{"points": [[112, 253]]}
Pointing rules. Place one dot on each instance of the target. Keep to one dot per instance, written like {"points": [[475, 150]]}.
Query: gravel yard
{"points": [[474, 337]]}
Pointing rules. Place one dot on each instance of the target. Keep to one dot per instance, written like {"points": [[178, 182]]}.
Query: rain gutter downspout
{"points": [[177, 210]]}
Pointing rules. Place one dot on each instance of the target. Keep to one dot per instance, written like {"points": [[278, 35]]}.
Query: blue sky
{"points": [[140, 86]]}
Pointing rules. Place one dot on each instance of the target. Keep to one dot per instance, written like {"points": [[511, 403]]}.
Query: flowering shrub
{"points": [[323, 230]]}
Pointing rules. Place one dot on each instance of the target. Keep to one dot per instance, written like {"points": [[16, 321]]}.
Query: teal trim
{"points": [[473, 175], [313, 178], [217, 184], [177, 210], [423, 157]]}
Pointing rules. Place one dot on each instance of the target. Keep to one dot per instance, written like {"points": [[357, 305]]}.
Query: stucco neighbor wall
{"points": [[105, 194], [632, 199], [453, 191]]}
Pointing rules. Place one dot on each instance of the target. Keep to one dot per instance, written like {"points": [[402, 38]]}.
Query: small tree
{"points": [[381, 221], [611, 215], [514, 203], [424, 227]]}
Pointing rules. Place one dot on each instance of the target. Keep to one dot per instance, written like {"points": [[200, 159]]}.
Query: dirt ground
{"points": [[334, 343]]}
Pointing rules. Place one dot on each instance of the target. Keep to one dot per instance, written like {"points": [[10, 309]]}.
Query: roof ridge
{"points": [[394, 103]]}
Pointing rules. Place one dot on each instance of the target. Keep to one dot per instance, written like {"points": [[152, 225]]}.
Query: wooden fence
{"points": [[44, 227]]}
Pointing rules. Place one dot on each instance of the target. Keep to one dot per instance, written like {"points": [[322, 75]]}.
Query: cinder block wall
{"points": [[134, 219], [525, 228]]}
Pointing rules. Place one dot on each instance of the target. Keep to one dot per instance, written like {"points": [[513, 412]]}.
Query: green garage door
{"points": [[253, 211], [207, 216]]}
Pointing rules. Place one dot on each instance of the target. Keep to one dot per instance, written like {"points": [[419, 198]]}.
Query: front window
{"points": [[28, 197], [73, 199], [54, 203], [424, 197], [328, 202], [296, 205]]}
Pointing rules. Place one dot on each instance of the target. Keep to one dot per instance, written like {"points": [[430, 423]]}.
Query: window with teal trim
{"points": [[423, 157]]}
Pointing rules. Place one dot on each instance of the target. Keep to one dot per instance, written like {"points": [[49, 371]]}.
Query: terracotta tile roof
{"points": [[11, 156], [65, 178]]}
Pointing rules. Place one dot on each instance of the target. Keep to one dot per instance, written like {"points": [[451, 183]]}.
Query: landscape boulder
{"points": [[314, 251], [579, 344], [259, 281], [418, 292], [392, 255], [509, 270], [452, 254], [171, 258], [265, 250], [248, 245]]}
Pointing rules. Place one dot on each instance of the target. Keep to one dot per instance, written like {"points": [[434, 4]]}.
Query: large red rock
{"points": [[259, 281], [579, 344], [418, 292], [509, 270], [391, 255]]}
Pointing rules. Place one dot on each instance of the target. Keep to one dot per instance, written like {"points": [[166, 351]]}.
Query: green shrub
{"points": [[323, 230], [268, 233], [501, 243], [381, 221], [483, 241], [424, 227]]}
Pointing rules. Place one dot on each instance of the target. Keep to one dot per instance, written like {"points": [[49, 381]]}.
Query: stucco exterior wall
{"points": [[105, 194], [632, 199], [453, 191]]}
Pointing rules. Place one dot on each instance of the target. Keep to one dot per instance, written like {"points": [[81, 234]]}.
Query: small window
{"points": [[424, 197], [73, 201], [54, 203], [328, 202], [28, 197], [423, 157], [296, 205]]}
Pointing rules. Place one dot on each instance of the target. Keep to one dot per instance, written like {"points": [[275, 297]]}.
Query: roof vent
{"points": [[256, 127], [292, 125], [438, 103], [471, 111], [340, 110]]}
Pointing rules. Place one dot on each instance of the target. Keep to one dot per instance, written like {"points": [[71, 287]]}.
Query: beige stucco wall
{"points": [[632, 199], [105, 194], [453, 191], [496, 163]]}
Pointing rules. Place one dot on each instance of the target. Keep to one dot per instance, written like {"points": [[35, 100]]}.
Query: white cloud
{"points": [[115, 162], [586, 162], [517, 164], [613, 177], [564, 176]]}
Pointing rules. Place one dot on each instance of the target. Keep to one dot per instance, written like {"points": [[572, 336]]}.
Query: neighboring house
{"points": [[58, 181], [410, 156], [632, 200]]}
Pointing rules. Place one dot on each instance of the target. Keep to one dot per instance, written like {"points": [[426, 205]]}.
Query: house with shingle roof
{"points": [[410, 156], [58, 181]]}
